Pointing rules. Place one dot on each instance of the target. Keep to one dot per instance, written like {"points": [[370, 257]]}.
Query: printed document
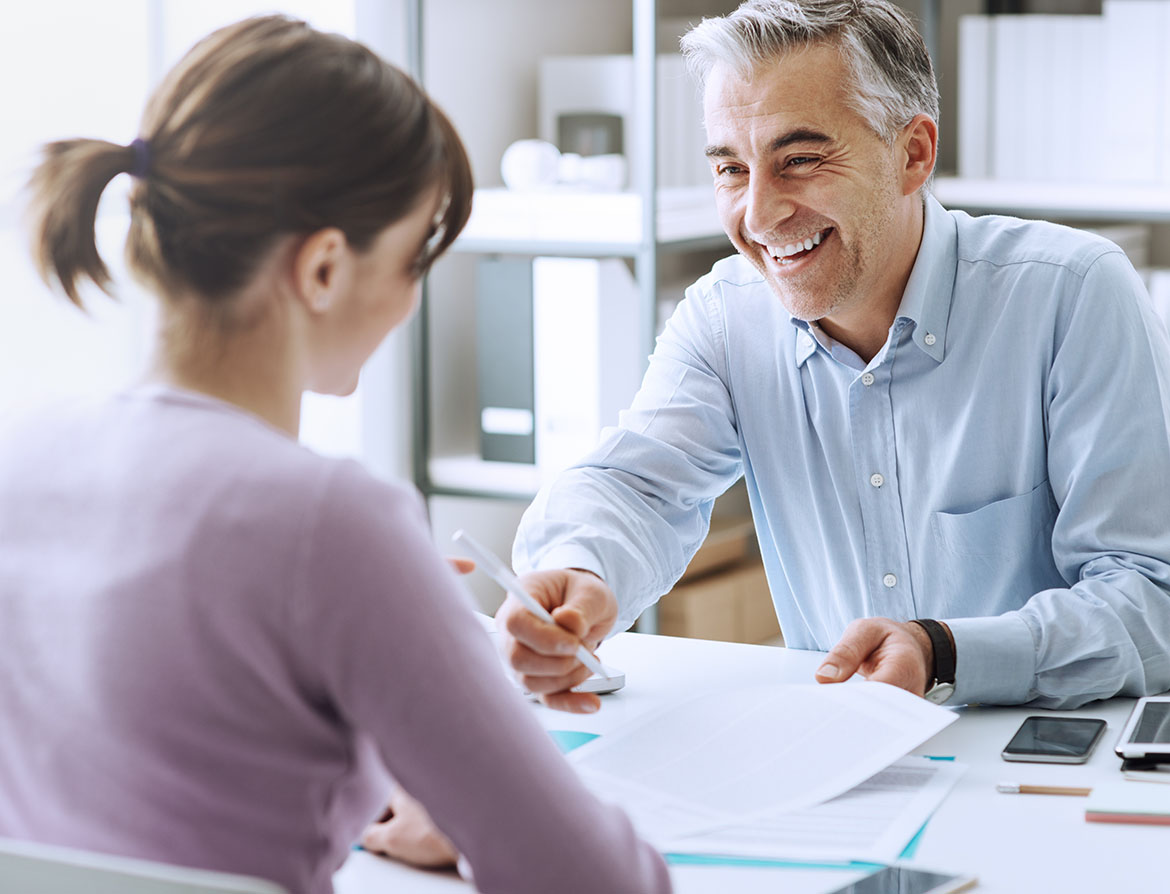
{"points": [[715, 760], [873, 821]]}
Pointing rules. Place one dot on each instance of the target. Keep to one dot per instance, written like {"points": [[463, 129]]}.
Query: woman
{"points": [[216, 644]]}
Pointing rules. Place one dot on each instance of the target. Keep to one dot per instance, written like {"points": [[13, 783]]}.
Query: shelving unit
{"points": [[1064, 201], [636, 225], [640, 226]]}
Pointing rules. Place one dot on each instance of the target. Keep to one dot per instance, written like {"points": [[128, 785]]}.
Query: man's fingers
{"points": [[537, 634], [857, 643], [572, 620], [525, 661], [544, 655], [543, 685], [572, 702], [886, 651]]}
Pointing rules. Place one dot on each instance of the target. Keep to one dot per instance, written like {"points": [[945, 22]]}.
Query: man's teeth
{"points": [[783, 253]]}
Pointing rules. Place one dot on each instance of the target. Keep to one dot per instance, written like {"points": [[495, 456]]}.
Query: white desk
{"points": [[1015, 844]]}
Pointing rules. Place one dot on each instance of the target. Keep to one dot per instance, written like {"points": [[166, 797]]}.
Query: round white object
{"points": [[530, 164]]}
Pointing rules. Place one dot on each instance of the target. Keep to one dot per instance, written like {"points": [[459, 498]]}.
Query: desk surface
{"points": [[1014, 844]]}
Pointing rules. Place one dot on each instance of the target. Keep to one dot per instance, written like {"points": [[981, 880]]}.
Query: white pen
{"points": [[499, 572]]}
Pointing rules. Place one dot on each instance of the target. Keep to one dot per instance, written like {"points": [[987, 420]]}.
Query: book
{"points": [[503, 354], [589, 349], [976, 61], [1135, 32], [1089, 92], [1008, 133]]}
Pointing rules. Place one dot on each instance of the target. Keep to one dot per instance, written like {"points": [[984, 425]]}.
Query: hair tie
{"points": [[141, 158]]}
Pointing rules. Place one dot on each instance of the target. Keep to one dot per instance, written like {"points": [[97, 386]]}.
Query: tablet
{"points": [[1147, 731]]}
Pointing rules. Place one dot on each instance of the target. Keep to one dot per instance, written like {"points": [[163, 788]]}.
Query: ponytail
{"points": [[265, 128], [66, 188]]}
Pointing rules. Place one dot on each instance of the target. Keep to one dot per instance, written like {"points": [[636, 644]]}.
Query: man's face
{"points": [[806, 190]]}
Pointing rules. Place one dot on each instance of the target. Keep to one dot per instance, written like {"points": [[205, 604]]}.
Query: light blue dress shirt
{"points": [[1003, 463]]}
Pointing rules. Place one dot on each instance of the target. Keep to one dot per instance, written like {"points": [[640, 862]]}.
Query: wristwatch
{"points": [[942, 683]]}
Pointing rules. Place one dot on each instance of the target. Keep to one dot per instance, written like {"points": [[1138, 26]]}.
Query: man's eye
{"points": [[802, 160], [727, 170]]}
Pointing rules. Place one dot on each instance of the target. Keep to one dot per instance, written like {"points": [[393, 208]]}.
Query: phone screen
{"points": [[900, 880], [1069, 736], [1154, 724]]}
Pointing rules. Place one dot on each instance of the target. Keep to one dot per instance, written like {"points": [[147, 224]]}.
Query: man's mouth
{"points": [[791, 252]]}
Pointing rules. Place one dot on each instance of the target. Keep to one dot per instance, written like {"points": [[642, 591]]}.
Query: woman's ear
{"points": [[321, 269]]}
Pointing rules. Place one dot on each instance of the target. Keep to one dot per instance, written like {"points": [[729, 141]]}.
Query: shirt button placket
{"points": [[888, 586]]}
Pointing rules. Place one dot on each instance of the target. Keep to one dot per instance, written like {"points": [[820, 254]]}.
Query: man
{"points": [[964, 421]]}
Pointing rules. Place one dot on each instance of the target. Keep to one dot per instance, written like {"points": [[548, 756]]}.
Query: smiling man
{"points": [[955, 431]]}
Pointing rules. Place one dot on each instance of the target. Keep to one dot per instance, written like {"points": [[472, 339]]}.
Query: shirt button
{"points": [[867, 379], [876, 479], [890, 580], [929, 338]]}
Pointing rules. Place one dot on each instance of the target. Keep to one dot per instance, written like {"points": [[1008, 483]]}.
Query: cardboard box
{"points": [[729, 540], [732, 604]]}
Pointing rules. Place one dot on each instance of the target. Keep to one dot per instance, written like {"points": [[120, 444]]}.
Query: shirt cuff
{"points": [[567, 556], [995, 660], [571, 556]]}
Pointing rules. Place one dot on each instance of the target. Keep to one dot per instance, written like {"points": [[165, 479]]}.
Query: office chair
{"points": [[28, 868]]}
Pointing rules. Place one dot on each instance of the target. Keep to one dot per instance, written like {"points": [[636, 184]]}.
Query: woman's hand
{"points": [[407, 833]]}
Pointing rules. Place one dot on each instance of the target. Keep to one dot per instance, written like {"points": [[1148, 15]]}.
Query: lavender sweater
{"points": [[216, 646]]}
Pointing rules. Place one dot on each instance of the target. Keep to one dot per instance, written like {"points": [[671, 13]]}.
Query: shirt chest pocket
{"points": [[1018, 526]]}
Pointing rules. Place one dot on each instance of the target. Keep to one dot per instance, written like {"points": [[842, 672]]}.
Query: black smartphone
{"points": [[1055, 740], [903, 880]]}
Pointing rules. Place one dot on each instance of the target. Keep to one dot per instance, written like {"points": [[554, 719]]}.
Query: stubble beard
{"points": [[812, 301]]}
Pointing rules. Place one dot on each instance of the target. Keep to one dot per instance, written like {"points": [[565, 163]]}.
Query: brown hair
{"points": [[265, 128]]}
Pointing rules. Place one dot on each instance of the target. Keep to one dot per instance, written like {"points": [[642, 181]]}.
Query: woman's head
{"points": [[265, 130]]}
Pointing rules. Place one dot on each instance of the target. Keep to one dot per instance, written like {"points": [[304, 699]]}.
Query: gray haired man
{"points": [[955, 432]]}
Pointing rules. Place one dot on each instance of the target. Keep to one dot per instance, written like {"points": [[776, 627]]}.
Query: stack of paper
{"points": [[779, 771]]}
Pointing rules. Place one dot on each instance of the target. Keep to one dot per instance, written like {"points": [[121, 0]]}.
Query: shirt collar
{"points": [[806, 343], [926, 302]]}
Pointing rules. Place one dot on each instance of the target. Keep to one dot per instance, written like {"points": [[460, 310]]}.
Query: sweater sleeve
{"points": [[404, 660]]}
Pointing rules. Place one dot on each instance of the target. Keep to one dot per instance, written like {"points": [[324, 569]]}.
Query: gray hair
{"points": [[893, 77]]}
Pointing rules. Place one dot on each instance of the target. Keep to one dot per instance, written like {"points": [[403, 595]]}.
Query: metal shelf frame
{"points": [[643, 253]]}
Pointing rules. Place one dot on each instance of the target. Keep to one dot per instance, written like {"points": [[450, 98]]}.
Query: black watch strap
{"points": [[944, 653]]}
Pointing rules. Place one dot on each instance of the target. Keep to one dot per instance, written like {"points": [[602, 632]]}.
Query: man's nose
{"points": [[768, 205]]}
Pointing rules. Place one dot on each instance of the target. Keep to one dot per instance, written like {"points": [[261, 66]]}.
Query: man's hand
{"points": [[883, 650], [407, 833], [542, 654]]}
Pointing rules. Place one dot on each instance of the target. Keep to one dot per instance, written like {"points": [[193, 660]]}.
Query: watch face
{"points": [[940, 692]]}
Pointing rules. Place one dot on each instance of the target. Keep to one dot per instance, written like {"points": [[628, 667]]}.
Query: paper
{"points": [[871, 822], [722, 757]]}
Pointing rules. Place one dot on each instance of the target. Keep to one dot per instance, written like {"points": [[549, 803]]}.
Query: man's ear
{"points": [[320, 269], [919, 152]]}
